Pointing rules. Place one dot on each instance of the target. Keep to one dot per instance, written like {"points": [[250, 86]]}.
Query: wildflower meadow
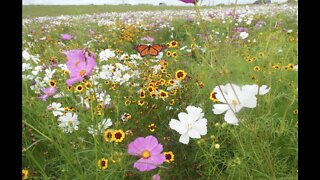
{"points": [[198, 93]]}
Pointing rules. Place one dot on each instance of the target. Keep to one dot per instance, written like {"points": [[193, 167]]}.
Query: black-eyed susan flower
{"points": [[69, 88], [253, 77], [168, 53], [142, 93], [140, 102], [79, 88], [106, 82], [201, 85], [103, 163], [213, 96], [260, 54], [174, 54], [152, 127], [295, 112], [25, 173], [169, 156], [173, 44], [88, 85], [290, 66], [109, 135], [171, 102], [169, 75], [52, 83], [127, 102], [163, 94], [276, 67], [257, 68], [119, 135], [180, 75]]}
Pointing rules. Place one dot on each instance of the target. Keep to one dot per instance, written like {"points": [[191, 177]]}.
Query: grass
{"points": [[263, 146]]}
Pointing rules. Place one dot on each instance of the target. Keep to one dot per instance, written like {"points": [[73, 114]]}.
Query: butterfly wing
{"points": [[156, 48], [142, 49]]}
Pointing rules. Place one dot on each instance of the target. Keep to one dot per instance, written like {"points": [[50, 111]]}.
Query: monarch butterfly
{"points": [[152, 50]]}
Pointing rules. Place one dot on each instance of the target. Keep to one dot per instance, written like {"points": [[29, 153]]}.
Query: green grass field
{"points": [[255, 46]]}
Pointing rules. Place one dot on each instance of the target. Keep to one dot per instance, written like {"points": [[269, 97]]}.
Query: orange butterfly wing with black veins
{"points": [[142, 49], [156, 48], [153, 50]]}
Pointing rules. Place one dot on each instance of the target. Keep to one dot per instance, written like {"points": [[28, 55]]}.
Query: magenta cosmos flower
{"points": [[149, 151], [48, 92], [66, 37], [148, 39], [156, 177], [189, 1], [80, 64]]}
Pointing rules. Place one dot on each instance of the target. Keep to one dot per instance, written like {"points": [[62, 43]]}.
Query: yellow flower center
{"points": [[82, 72], [145, 154], [234, 102]]}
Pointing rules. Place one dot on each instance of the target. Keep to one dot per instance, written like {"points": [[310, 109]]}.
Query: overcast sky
{"points": [[154, 2]]}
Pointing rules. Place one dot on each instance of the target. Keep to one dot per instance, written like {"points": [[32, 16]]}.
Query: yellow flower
{"points": [[173, 44], [142, 93], [52, 83], [213, 96], [257, 68], [88, 85], [152, 127], [163, 94], [169, 156], [140, 102], [180, 75], [171, 102], [79, 88], [109, 135], [119, 135], [103, 163], [25, 173]]}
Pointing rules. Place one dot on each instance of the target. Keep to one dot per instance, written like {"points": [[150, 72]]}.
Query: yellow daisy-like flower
{"points": [[169, 75], [261, 54], [173, 44], [107, 82], [88, 85], [213, 96], [169, 156], [276, 67], [25, 173], [180, 75], [171, 82], [103, 163], [152, 127], [257, 68], [142, 93], [295, 112], [69, 88], [140, 102], [168, 53], [119, 135], [163, 94], [79, 88], [174, 54], [171, 102], [290, 66], [127, 102], [109, 135], [254, 77], [52, 83], [193, 45]]}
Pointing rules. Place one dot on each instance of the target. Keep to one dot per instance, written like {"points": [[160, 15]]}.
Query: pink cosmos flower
{"points": [[48, 92], [156, 177], [148, 39], [189, 1], [149, 151], [80, 64], [66, 37]]}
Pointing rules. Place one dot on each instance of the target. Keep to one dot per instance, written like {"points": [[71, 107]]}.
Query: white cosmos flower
{"points": [[243, 35], [191, 124], [235, 98], [106, 54], [26, 66], [100, 128], [26, 55], [69, 122], [56, 108]]}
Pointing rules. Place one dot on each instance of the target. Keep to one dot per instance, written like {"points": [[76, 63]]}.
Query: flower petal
{"points": [[184, 138], [144, 165], [220, 108], [194, 133], [201, 126], [178, 126], [230, 118]]}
